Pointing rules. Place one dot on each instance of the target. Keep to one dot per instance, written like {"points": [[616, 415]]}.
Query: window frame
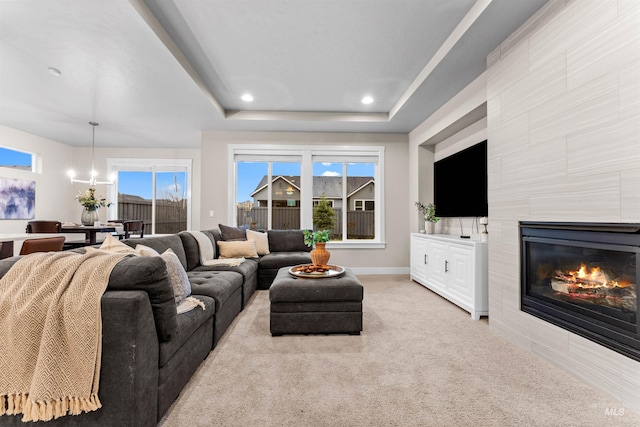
{"points": [[114, 165], [310, 154]]}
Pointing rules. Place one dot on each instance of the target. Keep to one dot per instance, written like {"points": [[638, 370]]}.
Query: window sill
{"points": [[356, 245]]}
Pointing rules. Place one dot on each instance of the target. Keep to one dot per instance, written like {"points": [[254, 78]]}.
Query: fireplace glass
{"points": [[584, 278], [596, 281]]}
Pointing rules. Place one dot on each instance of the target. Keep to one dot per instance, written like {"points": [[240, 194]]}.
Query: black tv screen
{"points": [[460, 183]]}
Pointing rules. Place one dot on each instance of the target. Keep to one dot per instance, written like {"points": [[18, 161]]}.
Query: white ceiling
{"points": [[155, 73]]}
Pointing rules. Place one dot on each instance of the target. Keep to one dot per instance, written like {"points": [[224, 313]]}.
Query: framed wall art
{"points": [[17, 198]]}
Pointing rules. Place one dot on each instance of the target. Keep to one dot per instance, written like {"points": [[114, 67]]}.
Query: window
{"points": [[15, 159], [277, 187], [157, 192], [268, 192], [363, 205]]}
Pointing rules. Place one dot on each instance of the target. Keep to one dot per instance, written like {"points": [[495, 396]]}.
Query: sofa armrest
{"points": [[130, 353]]}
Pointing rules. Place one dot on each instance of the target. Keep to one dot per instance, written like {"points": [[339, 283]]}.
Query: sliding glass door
{"points": [[156, 192]]}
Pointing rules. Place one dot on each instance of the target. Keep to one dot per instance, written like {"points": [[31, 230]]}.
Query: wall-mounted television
{"points": [[460, 183]]}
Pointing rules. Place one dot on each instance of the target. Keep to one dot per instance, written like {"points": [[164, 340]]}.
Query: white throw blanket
{"points": [[207, 252]]}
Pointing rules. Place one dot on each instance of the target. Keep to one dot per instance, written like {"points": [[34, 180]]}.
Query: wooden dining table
{"points": [[90, 231]]}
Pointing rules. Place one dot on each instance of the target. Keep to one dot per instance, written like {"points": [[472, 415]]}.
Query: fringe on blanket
{"points": [[20, 403]]}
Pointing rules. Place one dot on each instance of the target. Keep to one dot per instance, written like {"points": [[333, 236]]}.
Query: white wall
{"points": [[393, 259], [564, 145], [54, 195]]}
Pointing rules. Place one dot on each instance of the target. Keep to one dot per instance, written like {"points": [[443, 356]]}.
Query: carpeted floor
{"points": [[421, 361]]}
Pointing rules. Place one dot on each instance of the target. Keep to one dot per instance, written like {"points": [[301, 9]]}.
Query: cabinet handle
{"points": [[446, 266], [426, 259]]}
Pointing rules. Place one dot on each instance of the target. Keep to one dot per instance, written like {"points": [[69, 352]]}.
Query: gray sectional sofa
{"points": [[150, 352]]}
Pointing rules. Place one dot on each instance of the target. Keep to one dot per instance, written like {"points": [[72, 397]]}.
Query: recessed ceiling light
{"points": [[367, 100], [247, 97], [54, 71]]}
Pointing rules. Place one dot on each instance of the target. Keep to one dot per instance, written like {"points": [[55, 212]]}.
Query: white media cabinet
{"points": [[453, 267]]}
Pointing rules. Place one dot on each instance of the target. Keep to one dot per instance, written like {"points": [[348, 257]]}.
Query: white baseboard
{"points": [[362, 271]]}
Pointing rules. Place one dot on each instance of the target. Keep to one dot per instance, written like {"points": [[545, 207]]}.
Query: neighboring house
{"points": [[285, 191]]}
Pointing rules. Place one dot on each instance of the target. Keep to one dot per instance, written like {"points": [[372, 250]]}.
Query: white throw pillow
{"points": [[146, 251], [112, 244], [261, 239], [177, 276], [238, 249]]}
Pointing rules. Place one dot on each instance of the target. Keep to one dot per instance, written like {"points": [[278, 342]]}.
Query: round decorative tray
{"points": [[310, 271]]}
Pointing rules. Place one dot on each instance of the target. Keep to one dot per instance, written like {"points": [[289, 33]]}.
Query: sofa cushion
{"points": [[219, 285], [192, 250], [187, 324], [261, 239], [248, 268], [149, 274], [287, 241], [161, 244], [233, 233], [237, 249], [276, 260]]}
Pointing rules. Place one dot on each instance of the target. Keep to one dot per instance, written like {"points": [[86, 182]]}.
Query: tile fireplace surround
{"points": [[563, 125]]}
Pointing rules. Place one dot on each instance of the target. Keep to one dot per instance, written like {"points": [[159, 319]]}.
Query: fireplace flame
{"points": [[592, 278]]}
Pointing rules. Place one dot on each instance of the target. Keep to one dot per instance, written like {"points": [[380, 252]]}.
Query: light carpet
{"points": [[420, 361]]}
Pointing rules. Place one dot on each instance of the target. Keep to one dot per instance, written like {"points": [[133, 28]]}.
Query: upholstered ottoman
{"points": [[315, 306]]}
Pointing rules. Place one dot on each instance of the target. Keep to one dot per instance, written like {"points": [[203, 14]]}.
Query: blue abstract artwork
{"points": [[17, 198]]}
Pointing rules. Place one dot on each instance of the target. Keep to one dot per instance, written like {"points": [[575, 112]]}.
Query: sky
{"points": [[140, 183], [14, 158], [250, 173]]}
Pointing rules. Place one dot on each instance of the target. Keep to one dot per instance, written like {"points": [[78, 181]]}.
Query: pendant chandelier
{"points": [[92, 181]]}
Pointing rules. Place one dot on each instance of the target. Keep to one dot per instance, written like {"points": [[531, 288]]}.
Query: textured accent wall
{"points": [[563, 117]]}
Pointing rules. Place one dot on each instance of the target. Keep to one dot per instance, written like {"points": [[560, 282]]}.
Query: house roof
{"points": [[330, 186]]}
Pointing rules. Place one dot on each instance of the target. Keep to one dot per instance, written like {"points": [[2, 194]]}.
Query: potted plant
{"points": [[429, 213], [91, 204], [318, 240], [323, 220]]}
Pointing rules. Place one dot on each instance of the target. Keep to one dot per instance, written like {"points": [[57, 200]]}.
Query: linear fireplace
{"points": [[584, 278]]}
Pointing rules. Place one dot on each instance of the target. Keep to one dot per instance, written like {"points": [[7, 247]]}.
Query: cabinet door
{"points": [[419, 248], [438, 265], [461, 272]]}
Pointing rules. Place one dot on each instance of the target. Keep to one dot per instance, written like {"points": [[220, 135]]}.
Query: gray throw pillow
{"points": [[233, 233]]}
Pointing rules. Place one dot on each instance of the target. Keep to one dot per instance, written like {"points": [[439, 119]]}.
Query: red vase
{"points": [[319, 255]]}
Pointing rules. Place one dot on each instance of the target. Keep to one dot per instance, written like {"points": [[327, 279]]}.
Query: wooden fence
{"points": [[360, 224], [171, 217]]}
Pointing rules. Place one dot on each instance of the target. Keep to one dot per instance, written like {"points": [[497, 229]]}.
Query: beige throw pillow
{"points": [[112, 244], [238, 249], [261, 239]]}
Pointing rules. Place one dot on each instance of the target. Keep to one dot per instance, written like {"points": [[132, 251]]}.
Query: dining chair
{"points": [[44, 226], [133, 227], [45, 244]]}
